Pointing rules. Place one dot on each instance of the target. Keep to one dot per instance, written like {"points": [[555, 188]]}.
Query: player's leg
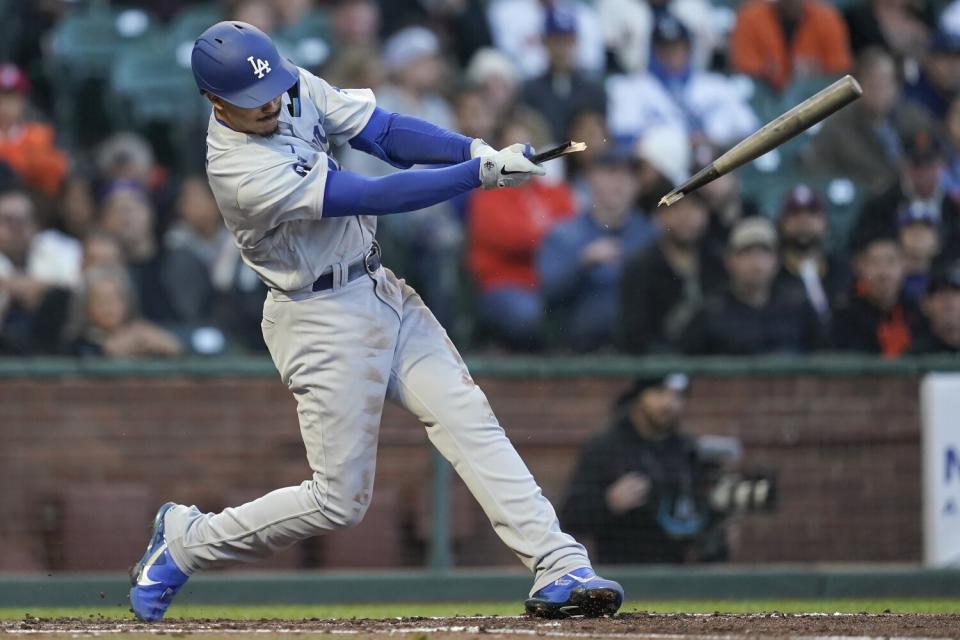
{"points": [[334, 352], [430, 379]]}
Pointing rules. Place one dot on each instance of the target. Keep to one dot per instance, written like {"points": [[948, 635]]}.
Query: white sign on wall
{"points": [[940, 407]]}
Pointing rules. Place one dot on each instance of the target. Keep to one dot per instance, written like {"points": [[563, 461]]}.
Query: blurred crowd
{"points": [[847, 238]]}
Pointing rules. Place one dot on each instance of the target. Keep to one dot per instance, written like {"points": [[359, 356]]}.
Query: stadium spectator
{"points": [[461, 23], [863, 142], [101, 249], [640, 488], [663, 286], [951, 171], [673, 91], [752, 317], [426, 243], [920, 182], [27, 147], [779, 41], [191, 247], [939, 79], [919, 236], [289, 13], [806, 267], [517, 27], [474, 117], [590, 127], [726, 203], [76, 212], [260, 13], [664, 155], [628, 26], [505, 232], [562, 90], [497, 77], [581, 260], [127, 213], [105, 322], [876, 316], [901, 27], [941, 307], [356, 25], [36, 269]]}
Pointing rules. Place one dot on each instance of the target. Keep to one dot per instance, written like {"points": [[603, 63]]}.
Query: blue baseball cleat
{"points": [[578, 593], [156, 578]]}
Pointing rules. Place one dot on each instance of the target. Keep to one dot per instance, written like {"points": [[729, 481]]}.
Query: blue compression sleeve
{"points": [[349, 194], [404, 141]]}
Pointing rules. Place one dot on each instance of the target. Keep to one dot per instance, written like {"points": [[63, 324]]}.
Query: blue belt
{"points": [[367, 265]]}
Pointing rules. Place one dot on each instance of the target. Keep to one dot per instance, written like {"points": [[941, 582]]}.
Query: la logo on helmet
{"points": [[260, 67]]}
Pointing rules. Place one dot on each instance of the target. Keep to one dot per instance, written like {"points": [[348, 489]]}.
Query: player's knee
{"points": [[342, 511]]}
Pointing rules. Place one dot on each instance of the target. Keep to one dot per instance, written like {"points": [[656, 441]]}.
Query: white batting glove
{"points": [[508, 168], [479, 148]]}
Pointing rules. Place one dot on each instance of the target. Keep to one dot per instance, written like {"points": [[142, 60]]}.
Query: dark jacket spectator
{"points": [[805, 267], [563, 90], [751, 317], [920, 183], [581, 261], [777, 41], [863, 141], [919, 237], [901, 28], [127, 213], [941, 307], [637, 488], [876, 316], [664, 286], [938, 82]]}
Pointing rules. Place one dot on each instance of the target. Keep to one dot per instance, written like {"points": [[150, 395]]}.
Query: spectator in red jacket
{"points": [[505, 230], [27, 147], [778, 41]]}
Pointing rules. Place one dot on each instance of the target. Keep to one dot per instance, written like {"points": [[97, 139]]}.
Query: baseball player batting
{"points": [[344, 332]]}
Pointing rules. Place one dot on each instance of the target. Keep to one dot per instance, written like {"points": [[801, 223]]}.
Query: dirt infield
{"points": [[629, 625]]}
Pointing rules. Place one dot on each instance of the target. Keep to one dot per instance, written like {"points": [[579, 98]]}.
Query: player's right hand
{"points": [[508, 167]]}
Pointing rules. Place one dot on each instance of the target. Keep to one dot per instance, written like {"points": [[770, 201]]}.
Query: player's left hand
{"points": [[508, 167]]}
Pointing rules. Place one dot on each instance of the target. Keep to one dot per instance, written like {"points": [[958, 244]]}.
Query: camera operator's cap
{"points": [[752, 232], [917, 212], [944, 280], [560, 20], [802, 198], [13, 79], [678, 382]]}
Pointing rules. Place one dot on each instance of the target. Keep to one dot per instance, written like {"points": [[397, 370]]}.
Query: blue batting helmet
{"points": [[238, 63]]}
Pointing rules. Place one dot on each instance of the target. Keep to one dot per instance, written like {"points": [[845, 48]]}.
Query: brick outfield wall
{"points": [[84, 462]]}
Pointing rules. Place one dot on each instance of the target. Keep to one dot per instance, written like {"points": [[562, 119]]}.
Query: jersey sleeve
{"points": [[288, 188], [346, 111]]}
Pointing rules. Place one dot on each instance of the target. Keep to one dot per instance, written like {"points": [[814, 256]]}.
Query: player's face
{"points": [[261, 121]]}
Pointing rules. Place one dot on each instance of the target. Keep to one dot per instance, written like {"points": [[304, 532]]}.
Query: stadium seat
{"points": [[150, 85]]}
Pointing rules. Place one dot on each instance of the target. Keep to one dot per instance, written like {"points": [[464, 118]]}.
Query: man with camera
{"points": [[646, 492]]}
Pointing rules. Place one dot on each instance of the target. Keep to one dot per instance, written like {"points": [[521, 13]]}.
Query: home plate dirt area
{"points": [[629, 625]]}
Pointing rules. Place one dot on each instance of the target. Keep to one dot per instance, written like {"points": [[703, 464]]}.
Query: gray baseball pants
{"points": [[342, 352]]}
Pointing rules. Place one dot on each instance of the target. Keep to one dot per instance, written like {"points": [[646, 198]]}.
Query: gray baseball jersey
{"points": [[343, 351], [270, 189]]}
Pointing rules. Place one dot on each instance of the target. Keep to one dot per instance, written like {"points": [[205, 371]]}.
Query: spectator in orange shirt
{"points": [[505, 230], [27, 146], [779, 40]]}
